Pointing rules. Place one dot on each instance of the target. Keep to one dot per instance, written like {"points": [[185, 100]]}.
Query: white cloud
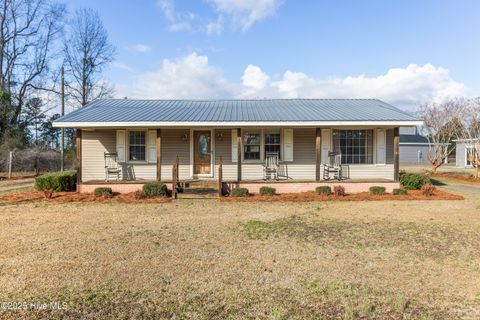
{"points": [[193, 77], [122, 66], [245, 13], [187, 77], [142, 48], [177, 21], [215, 28]]}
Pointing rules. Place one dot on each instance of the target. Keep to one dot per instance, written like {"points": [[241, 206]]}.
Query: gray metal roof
{"points": [[413, 138], [268, 110]]}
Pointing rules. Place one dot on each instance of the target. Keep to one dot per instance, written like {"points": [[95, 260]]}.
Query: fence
{"points": [[32, 161]]}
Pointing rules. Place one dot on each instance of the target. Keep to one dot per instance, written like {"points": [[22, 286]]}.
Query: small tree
{"points": [[441, 123]]}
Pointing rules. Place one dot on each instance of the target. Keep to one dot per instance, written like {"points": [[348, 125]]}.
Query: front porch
{"points": [[236, 157]]}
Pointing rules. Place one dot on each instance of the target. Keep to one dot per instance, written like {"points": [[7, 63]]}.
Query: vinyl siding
{"points": [[409, 154], [460, 154], [95, 143]]}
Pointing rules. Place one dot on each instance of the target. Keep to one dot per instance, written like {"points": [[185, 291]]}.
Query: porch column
{"points": [[396, 154], [239, 154], [318, 153], [78, 165], [159, 154]]}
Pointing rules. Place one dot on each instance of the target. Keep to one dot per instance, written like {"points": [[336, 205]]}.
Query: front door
{"points": [[201, 152]]}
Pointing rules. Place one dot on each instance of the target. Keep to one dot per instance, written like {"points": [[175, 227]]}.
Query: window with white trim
{"points": [[136, 146], [273, 143], [355, 146], [251, 146]]}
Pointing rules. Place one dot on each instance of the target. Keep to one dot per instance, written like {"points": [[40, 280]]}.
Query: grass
{"points": [[215, 260]]}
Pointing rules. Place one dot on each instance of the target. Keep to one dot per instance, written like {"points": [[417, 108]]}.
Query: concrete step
{"points": [[199, 184]]}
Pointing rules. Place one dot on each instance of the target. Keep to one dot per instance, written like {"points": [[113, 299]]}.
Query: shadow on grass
{"points": [[437, 182]]}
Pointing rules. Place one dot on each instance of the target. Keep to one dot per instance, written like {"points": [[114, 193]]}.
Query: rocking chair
{"points": [[335, 167], [270, 166], [111, 165]]}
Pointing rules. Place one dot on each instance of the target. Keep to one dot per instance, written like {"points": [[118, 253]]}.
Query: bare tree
{"points": [[87, 51], [470, 132], [28, 30], [441, 123]]}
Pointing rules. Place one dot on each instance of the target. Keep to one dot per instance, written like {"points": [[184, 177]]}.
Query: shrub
{"points": [[139, 195], [239, 192], [324, 190], [103, 192], [57, 181], [414, 181], [398, 192], [339, 191], [377, 190], [428, 190], [267, 191], [48, 193], [154, 189]]}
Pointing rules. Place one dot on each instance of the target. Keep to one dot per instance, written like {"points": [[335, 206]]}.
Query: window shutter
{"points": [[381, 148], [288, 144], [152, 146], [234, 146], [121, 145], [326, 141]]}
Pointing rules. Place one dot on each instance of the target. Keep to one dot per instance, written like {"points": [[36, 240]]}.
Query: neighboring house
{"points": [[148, 135], [414, 148], [461, 149]]}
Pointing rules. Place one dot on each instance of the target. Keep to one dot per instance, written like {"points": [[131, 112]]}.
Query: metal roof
{"points": [[195, 112], [413, 138]]}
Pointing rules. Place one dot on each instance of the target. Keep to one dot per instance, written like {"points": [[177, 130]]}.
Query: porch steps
{"points": [[198, 189]]}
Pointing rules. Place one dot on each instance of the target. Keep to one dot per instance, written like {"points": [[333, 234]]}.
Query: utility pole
{"points": [[62, 138]]}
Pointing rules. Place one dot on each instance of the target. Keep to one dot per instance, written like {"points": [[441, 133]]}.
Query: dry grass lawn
{"points": [[207, 259]]}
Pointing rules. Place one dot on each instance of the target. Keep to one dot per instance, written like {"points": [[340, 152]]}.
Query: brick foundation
{"points": [[254, 187]]}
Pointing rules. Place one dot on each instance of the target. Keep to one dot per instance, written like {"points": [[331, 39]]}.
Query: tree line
{"points": [[37, 39]]}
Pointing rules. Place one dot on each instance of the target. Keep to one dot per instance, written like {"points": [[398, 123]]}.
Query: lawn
{"points": [[207, 259]]}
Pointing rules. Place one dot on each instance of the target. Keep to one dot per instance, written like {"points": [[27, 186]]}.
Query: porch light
{"points": [[185, 137], [219, 136]]}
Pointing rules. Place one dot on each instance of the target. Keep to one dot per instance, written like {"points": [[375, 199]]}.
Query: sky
{"points": [[404, 52]]}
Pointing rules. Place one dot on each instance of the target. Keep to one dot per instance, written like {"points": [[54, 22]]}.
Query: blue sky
{"points": [[405, 52]]}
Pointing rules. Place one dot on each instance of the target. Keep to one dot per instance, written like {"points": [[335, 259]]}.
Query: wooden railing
{"points": [[175, 177], [220, 177]]}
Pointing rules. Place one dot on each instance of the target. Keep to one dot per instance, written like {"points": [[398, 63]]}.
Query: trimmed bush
{"points": [[103, 192], [399, 192], [324, 190], [339, 191], [57, 181], [414, 181], [267, 191], [377, 190], [154, 189], [428, 190], [239, 192]]}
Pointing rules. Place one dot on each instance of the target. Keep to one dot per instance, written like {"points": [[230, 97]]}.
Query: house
{"points": [[414, 148], [304, 135], [462, 148]]}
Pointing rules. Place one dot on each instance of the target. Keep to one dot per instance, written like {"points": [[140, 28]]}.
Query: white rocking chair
{"points": [[270, 166], [111, 165]]}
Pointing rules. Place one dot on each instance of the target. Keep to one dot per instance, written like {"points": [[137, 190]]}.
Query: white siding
{"points": [[460, 155]]}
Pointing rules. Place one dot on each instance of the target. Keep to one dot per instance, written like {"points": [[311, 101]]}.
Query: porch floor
{"points": [[235, 181]]}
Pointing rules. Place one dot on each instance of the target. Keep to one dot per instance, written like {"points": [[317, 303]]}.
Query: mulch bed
{"points": [[363, 196], [67, 197]]}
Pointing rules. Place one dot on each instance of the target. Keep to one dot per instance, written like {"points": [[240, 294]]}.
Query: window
{"points": [[272, 143], [355, 146], [136, 145], [251, 146]]}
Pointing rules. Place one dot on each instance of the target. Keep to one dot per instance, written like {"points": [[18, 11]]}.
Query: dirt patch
{"points": [[67, 197], [456, 176], [363, 196]]}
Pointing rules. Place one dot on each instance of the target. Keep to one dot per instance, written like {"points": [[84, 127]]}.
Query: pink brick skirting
{"points": [[292, 187], [121, 188], [287, 187]]}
